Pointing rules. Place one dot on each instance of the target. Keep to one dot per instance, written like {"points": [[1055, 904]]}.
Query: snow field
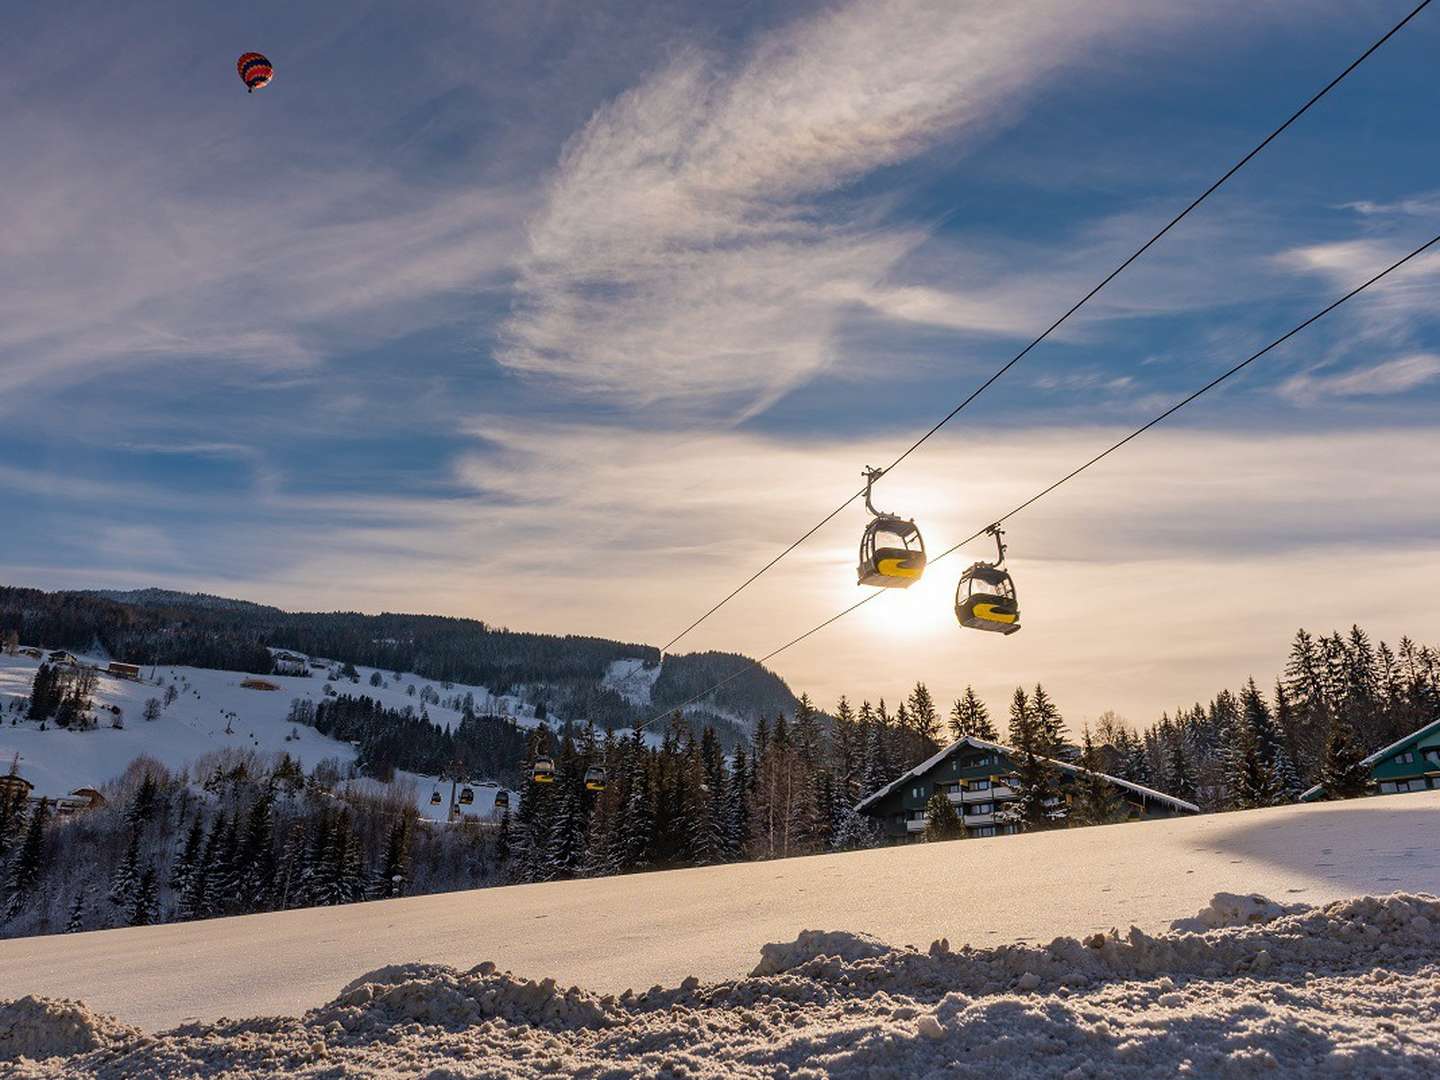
{"points": [[1350, 988], [58, 761]]}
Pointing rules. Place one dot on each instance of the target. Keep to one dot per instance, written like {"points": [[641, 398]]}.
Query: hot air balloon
{"points": [[255, 70]]}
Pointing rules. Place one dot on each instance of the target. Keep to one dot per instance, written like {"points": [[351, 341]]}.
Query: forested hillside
{"points": [[565, 675]]}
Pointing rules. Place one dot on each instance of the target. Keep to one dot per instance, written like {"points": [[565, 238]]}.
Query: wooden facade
{"points": [[980, 779]]}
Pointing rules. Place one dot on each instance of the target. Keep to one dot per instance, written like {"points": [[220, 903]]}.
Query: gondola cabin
{"points": [[435, 797], [985, 600], [467, 796], [892, 554], [543, 770], [502, 801], [595, 778]]}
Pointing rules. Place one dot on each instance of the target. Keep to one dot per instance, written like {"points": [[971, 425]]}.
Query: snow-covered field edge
{"points": [[1248, 987]]}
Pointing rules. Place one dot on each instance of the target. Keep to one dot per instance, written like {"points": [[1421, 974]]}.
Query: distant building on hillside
{"points": [[980, 779], [32, 652], [60, 656], [259, 684], [123, 671], [79, 801], [287, 663], [1408, 764]]}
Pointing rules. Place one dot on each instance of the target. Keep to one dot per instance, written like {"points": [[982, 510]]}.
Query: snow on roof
{"points": [[1386, 751], [981, 744]]}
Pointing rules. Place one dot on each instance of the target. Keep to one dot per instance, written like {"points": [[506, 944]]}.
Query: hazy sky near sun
{"points": [[568, 316]]}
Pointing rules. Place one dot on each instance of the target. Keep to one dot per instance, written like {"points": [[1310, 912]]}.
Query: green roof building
{"points": [[980, 779], [1408, 764]]}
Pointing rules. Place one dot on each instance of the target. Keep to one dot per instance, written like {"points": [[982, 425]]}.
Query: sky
{"points": [[569, 317]]}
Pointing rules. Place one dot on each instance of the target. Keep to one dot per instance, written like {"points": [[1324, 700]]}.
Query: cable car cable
{"points": [[1296, 115], [1068, 476]]}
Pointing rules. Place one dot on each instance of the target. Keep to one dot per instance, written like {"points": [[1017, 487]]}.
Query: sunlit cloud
{"points": [[698, 241]]}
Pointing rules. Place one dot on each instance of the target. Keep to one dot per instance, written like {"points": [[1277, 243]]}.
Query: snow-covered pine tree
{"points": [[847, 754], [970, 717], [143, 802], [737, 807], [853, 831], [1049, 724], [126, 878], [565, 846], [27, 864], [144, 904], [941, 820], [1343, 773], [1097, 802], [1022, 723], [924, 721], [75, 922], [256, 859], [1180, 776]]}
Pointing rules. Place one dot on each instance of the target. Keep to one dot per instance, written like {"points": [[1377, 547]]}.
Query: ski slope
{"points": [[610, 934], [215, 711]]}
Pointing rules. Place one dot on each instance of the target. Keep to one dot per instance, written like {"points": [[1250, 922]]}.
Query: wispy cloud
{"points": [[1375, 380], [699, 239]]}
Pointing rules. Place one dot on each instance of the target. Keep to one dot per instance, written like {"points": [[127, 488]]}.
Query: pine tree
{"points": [[143, 803], [941, 820], [565, 848], [1049, 724], [126, 878], [256, 859], [853, 831], [969, 717], [924, 720], [1022, 723], [1098, 803], [737, 816], [27, 865], [1343, 774], [144, 903], [1180, 777], [75, 923], [1249, 779]]}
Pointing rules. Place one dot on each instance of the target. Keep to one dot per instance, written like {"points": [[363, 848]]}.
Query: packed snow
{"points": [[1345, 989], [215, 710]]}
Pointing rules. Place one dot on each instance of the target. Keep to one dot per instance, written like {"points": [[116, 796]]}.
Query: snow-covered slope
{"points": [[607, 934], [214, 710], [632, 680]]}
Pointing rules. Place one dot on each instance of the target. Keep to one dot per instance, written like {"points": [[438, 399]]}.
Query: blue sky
{"points": [[567, 318]]}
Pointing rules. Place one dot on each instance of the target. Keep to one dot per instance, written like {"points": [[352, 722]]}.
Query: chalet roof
{"points": [[1415, 737], [1064, 766]]}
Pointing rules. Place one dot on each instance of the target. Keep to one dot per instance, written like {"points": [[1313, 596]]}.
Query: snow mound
{"points": [[815, 944], [1348, 989], [433, 995], [42, 1028], [1236, 909]]}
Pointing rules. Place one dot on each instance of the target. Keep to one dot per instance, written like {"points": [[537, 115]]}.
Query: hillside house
{"points": [[980, 779], [123, 671], [1408, 764]]}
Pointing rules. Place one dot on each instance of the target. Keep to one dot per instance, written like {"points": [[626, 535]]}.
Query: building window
{"points": [[1387, 787], [980, 808], [984, 830], [1405, 758]]}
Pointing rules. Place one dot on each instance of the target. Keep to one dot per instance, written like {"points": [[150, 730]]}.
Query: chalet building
{"points": [[123, 671], [1409, 764], [30, 651], [980, 778]]}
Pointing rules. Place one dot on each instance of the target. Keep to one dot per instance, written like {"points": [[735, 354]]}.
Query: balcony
{"points": [[976, 794], [972, 820], [915, 825]]}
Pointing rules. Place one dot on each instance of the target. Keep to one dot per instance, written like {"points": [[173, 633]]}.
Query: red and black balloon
{"points": [[255, 70]]}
